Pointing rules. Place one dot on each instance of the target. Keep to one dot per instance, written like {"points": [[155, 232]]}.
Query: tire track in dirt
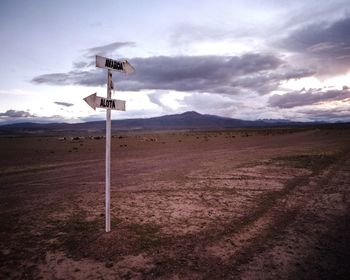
{"points": [[305, 218], [258, 231], [243, 235]]}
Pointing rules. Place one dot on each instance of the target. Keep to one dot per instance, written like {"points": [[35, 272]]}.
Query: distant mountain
{"points": [[185, 121]]}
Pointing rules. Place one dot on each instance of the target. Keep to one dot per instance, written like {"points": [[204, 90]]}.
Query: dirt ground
{"points": [[249, 204]]}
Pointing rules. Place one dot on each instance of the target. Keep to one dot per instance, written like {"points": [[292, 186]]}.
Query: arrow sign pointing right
{"points": [[95, 101], [116, 65]]}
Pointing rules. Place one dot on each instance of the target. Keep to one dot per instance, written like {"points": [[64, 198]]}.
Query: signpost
{"points": [[110, 104]]}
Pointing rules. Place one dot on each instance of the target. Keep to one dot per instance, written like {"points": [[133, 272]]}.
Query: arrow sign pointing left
{"points": [[95, 101]]}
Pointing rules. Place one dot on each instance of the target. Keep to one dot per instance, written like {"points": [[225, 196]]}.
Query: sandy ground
{"points": [[263, 204]]}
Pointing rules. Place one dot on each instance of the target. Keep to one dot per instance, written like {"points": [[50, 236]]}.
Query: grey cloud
{"points": [[329, 115], [84, 71], [293, 73], [321, 37], [198, 73], [75, 77], [88, 58], [16, 114], [65, 104], [82, 64], [309, 97], [109, 48], [258, 73], [325, 44], [313, 11], [155, 98]]}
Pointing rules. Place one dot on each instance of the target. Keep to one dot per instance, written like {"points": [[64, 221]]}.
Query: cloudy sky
{"points": [[242, 59]]}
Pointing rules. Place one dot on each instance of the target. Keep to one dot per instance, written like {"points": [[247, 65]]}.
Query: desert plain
{"points": [[237, 204]]}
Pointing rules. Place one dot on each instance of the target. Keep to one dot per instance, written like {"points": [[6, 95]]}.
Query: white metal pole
{"points": [[108, 156]]}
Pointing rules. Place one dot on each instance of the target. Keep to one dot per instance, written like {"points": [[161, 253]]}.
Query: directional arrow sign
{"points": [[95, 101], [123, 66]]}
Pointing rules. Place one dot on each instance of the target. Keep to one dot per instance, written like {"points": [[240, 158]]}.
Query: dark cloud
{"points": [[328, 115], [319, 38], [308, 97], [326, 45], [216, 74], [88, 57], [16, 114], [258, 73], [65, 104], [109, 48], [75, 77], [84, 71]]}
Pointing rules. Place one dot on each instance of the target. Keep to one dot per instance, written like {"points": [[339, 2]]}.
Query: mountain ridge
{"points": [[189, 120]]}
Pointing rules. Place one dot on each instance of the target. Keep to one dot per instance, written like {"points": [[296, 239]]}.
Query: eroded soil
{"points": [[263, 204]]}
